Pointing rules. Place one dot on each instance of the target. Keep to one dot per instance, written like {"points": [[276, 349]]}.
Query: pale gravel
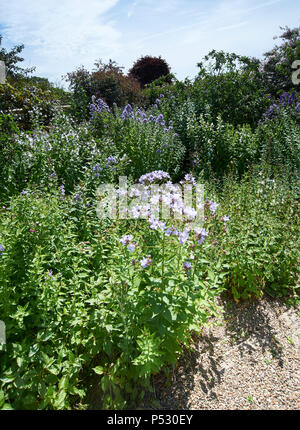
{"points": [[251, 361]]}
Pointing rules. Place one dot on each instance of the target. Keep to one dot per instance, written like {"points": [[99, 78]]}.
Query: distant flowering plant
{"points": [[286, 102], [98, 106]]}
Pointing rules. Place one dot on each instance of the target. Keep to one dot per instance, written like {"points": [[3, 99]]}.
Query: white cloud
{"points": [[61, 34]]}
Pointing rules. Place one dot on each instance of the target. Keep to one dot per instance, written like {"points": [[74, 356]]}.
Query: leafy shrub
{"points": [[143, 138], [28, 103], [279, 137], [233, 87], [107, 81], [261, 250], [277, 65], [75, 300], [147, 69]]}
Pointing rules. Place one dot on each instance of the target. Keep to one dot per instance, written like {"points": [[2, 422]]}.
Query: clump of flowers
{"points": [[127, 112], [146, 262], [97, 169], [156, 176], [127, 241], [98, 106], [286, 100]]}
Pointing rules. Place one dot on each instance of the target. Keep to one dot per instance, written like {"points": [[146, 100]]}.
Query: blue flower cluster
{"points": [[140, 115], [127, 112], [98, 106], [286, 100], [150, 178]]}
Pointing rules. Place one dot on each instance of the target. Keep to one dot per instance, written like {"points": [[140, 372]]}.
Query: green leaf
{"points": [[2, 398], [99, 370]]}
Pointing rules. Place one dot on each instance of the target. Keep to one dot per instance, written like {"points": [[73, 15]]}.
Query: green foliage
{"points": [[107, 81], [142, 139], [261, 249], [147, 69], [28, 103], [11, 59], [277, 66], [233, 87], [280, 141], [72, 302]]}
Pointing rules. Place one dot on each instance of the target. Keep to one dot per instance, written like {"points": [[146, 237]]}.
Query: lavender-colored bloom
{"points": [[127, 112], [187, 265], [213, 206], [188, 179], [97, 169], [160, 120], [183, 236], [111, 160], [225, 218], [50, 273], [157, 225], [131, 247], [125, 240], [24, 193], [201, 234], [62, 189], [145, 262], [1, 248], [157, 175], [189, 212], [98, 106], [172, 231]]}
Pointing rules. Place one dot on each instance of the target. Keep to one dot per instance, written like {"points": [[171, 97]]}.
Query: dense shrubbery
{"points": [[277, 66], [107, 81], [28, 103], [82, 294], [148, 69]]}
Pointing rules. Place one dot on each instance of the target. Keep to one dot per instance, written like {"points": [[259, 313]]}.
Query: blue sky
{"points": [[60, 35]]}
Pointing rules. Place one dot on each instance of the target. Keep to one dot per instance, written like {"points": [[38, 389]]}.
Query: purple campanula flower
{"points": [[183, 236], [1, 248], [225, 218], [127, 112], [125, 240], [131, 247], [187, 266], [145, 262]]}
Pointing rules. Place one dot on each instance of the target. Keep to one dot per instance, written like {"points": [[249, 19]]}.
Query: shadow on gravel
{"points": [[247, 328]]}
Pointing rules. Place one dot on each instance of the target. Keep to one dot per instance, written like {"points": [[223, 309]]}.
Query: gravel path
{"points": [[251, 361]]}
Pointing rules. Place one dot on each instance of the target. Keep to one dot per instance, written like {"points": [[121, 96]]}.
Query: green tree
{"points": [[147, 69], [277, 65], [11, 59]]}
